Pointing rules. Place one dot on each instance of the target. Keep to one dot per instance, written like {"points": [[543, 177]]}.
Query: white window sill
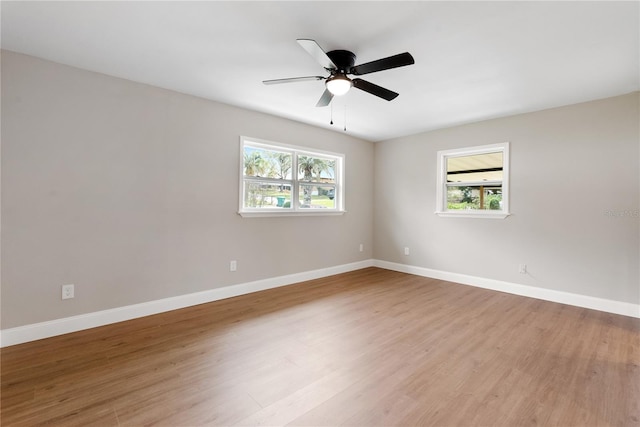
{"points": [[259, 214], [473, 214]]}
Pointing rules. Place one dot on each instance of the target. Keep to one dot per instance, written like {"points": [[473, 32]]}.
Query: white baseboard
{"points": [[66, 325], [600, 304]]}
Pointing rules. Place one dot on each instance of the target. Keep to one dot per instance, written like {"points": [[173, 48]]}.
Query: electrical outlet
{"points": [[233, 265], [522, 269], [406, 251], [361, 247], [68, 291]]}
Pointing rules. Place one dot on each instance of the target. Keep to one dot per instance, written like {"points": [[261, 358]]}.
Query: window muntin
{"points": [[474, 182], [282, 179]]}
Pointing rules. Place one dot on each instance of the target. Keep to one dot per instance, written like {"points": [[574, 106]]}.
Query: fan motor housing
{"points": [[344, 59]]}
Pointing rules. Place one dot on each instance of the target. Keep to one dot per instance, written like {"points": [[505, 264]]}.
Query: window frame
{"points": [[442, 184], [295, 182]]}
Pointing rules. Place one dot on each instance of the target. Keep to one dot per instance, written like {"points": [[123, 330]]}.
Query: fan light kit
{"points": [[338, 84], [340, 63]]}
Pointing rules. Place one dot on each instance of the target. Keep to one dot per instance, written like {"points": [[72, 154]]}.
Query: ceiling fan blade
{"points": [[399, 60], [325, 99], [292, 80], [318, 54], [374, 89]]}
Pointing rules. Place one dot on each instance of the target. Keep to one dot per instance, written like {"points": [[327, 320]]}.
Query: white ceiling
{"points": [[474, 60]]}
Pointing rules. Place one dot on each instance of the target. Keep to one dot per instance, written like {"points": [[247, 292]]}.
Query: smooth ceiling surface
{"points": [[474, 60]]}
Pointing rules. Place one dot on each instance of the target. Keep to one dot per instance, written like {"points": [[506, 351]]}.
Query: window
{"points": [[279, 179], [474, 182]]}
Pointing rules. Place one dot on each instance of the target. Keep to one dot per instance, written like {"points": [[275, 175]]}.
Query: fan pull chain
{"points": [[331, 122], [345, 118]]}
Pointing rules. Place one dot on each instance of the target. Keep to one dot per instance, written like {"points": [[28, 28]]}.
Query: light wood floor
{"points": [[371, 347]]}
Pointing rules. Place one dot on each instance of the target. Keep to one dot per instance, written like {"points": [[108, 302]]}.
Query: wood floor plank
{"points": [[369, 347]]}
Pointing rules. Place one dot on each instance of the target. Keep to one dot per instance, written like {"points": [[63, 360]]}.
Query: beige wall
{"points": [[575, 199], [130, 192]]}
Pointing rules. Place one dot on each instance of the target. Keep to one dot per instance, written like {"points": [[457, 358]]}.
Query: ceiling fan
{"points": [[340, 64]]}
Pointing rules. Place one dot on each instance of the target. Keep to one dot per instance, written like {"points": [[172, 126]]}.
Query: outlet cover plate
{"points": [[68, 291]]}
